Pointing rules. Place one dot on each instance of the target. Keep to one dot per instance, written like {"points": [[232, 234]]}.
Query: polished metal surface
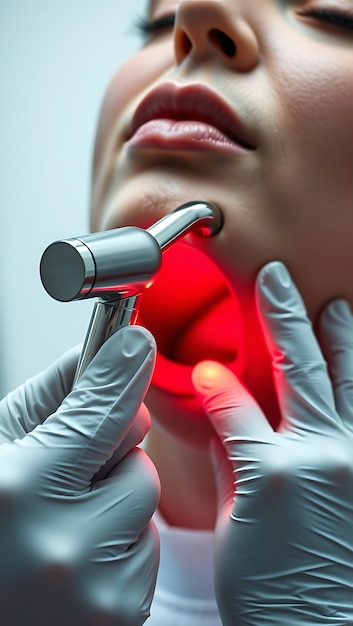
{"points": [[116, 265], [203, 218], [107, 317]]}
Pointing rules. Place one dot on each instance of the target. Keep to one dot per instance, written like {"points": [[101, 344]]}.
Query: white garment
{"points": [[185, 592]]}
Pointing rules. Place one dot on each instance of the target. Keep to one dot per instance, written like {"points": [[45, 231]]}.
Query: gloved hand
{"points": [[78, 550], [284, 536]]}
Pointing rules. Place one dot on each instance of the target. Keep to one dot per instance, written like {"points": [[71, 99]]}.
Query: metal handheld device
{"points": [[116, 266]]}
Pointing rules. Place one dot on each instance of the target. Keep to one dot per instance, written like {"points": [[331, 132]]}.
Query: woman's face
{"points": [[247, 104]]}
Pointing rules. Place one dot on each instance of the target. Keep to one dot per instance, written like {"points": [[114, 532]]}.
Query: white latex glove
{"points": [[284, 536], [76, 550]]}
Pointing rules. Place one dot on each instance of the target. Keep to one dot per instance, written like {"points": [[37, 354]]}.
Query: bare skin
{"points": [[284, 69]]}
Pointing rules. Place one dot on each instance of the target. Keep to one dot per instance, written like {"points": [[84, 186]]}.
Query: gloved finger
{"points": [[121, 505], [40, 396], [242, 427], [303, 385], [234, 414], [96, 416], [336, 337], [223, 473], [134, 437], [122, 588]]}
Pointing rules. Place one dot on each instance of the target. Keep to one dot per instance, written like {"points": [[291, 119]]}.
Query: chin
{"points": [[194, 315]]}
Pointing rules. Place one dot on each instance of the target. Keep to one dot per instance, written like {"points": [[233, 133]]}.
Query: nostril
{"points": [[222, 41], [183, 43]]}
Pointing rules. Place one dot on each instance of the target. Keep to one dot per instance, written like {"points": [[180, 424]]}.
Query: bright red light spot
{"points": [[193, 315]]}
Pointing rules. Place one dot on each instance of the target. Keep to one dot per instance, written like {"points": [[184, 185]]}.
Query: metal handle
{"points": [[107, 317], [116, 265]]}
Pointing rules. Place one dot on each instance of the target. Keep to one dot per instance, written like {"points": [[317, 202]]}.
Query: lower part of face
{"points": [[288, 198]]}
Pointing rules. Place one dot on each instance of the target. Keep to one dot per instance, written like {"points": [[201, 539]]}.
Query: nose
{"points": [[206, 28]]}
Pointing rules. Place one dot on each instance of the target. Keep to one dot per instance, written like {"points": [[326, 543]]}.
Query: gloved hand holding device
{"points": [[76, 496], [284, 536]]}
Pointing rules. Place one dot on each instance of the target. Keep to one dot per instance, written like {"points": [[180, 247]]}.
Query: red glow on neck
{"points": [[193, 315]]}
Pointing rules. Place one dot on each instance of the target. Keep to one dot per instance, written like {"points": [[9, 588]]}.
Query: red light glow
{"points": [[193, 315]]}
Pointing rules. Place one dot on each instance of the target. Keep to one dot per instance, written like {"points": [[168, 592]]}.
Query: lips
{"points": [[177, 115]]}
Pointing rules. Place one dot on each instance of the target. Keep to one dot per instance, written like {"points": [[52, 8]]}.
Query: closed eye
{"points": [[341, 19], [151, 28]]}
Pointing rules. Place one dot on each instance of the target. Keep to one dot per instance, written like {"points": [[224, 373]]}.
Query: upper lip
{"points": [[191, 102]]}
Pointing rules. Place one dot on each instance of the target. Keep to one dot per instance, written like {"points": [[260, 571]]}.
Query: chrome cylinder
{"points": [[116, 265]]}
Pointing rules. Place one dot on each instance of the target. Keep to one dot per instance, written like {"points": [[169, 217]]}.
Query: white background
{"points": [[56, 58]]}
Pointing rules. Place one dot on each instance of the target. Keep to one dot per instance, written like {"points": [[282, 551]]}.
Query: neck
{"points": [[186, 471], [188, 494]]}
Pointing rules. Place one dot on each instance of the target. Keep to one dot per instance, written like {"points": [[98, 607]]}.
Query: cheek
{"points": [[313, 178], [128, 82], [317, 103]]}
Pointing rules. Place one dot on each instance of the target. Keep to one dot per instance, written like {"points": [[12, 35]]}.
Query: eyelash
{"points": [[340, 19], [148, 28]]}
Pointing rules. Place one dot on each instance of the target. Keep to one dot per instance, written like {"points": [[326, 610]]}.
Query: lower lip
{"points": [[183, 135]]}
